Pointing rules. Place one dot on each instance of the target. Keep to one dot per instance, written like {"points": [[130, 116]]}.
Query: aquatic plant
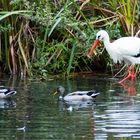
{"points": [[14, 43], [51, 37]]}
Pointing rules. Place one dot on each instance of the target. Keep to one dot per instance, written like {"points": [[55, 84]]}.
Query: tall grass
{"points": [[14, 57], [123, 11]]}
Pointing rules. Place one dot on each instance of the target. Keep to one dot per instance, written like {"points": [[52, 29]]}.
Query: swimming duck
{"points": [[6, 92], [77, 95]]}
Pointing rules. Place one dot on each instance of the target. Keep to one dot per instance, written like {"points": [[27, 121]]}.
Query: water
{"points": [[35, 113]]}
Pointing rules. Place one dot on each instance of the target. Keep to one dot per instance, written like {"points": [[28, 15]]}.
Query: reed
{"points": [[15, 56]]}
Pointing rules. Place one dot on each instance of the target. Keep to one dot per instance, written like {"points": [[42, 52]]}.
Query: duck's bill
{"points": [[55, 93], [96, 42]]}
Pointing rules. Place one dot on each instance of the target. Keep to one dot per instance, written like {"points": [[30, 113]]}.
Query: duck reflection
{"points": [[75, 105], [7, 103]]}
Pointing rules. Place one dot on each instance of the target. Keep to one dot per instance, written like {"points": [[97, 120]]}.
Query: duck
{"points": [[77, 95], [6, 92]]}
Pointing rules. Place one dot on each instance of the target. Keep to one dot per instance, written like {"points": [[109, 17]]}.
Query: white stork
{"points": [[125, 49]]}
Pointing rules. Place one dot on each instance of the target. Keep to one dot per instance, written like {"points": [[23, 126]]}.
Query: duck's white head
{"points": [[102, 35]]}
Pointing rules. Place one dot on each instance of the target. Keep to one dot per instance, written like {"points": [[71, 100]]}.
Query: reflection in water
{"points": [[75, 104], [35, 113], [120, 118], [130, 89], [7, 103]]}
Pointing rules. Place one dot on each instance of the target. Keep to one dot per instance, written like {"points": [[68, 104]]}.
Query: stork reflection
{"points": [[129, 88]]}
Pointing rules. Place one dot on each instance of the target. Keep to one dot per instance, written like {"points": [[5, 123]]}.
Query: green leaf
{"points": [[71, 59], [54, 26], [6, 14]]}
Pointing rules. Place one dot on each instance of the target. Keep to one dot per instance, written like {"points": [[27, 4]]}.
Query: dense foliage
{"points": [[49, 37]]}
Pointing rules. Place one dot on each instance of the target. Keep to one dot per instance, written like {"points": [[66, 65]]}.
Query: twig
{"points": [[119, 71]]}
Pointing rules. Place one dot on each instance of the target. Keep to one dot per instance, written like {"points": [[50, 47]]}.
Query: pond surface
{"points": [[35, 113]]}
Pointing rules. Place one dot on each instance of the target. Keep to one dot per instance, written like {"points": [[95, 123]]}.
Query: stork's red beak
{"points": [[96, 42]]}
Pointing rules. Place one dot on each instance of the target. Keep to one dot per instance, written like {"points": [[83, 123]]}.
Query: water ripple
{"points": [[118, 118]]}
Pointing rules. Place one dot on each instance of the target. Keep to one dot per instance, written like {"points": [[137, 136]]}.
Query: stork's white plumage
{"points": [[125, 49]]}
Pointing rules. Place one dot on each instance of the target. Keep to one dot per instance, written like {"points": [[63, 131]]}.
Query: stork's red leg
{"points": [[131, 74]]}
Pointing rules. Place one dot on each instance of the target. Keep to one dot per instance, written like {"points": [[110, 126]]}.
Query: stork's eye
{"points": [[99, 36]]}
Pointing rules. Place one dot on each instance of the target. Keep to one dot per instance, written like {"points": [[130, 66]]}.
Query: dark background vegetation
{"points": [[52, 37]]}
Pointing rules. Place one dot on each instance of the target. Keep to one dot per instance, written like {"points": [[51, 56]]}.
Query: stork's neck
{"points": [[106, 41]]}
